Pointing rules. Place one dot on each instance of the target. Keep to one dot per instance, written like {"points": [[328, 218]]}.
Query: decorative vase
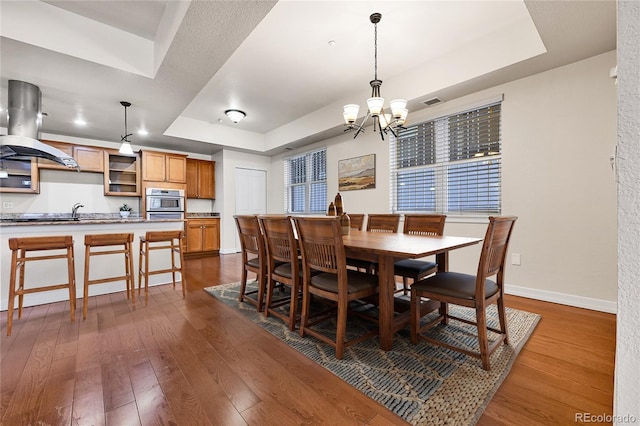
{"points": [[331, 211], [345, 223], [124, 213], [338, 203]]}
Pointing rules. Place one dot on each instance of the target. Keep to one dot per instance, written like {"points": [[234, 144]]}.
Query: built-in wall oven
{"points": [[164, 203]]}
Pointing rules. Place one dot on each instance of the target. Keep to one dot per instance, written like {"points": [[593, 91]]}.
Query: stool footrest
{"points": [[108, 280], [37, 289]]}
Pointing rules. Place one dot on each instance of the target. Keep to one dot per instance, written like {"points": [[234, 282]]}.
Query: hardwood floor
{"points": [[195, 361]]}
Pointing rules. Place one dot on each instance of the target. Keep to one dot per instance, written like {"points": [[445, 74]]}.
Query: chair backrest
{"points": [[383, 223], [357, 220], [424, 224], [280, 241], [321, 246], [494, 249], [251, 239]]}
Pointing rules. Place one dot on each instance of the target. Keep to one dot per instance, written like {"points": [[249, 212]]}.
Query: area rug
{"points": [[423, 384]]}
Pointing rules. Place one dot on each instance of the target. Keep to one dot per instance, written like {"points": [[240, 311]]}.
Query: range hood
{"points": [[25, 119]]}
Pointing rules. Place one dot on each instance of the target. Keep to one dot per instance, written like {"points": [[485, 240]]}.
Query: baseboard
{"points": [[228, 251], [563, 299]]}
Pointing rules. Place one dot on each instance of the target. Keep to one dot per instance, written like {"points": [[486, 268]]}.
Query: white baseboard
{"points": [[228, 251], [562, 298]]}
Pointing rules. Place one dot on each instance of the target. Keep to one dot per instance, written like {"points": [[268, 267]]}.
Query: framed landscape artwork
{"points": [[357, 173]]}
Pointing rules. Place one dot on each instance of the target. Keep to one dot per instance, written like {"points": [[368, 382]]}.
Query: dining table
{"points": [[385, 248]]}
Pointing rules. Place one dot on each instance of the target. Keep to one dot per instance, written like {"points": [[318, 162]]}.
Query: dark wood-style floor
{"points": [[195, 361]]}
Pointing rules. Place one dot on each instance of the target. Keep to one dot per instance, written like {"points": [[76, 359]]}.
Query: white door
{"points": [[251, 193]]}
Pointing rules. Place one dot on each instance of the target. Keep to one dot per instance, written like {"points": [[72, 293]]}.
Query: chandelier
{"points": [[382, 122]]}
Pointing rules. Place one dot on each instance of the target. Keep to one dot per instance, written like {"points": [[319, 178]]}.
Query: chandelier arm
{"points": [[361, 126]]}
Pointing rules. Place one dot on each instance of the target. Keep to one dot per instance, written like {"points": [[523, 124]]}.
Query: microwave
{"points": [[165, 200]]}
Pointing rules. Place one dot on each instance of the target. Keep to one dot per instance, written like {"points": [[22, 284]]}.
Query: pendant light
{"points": [[125, 148]]}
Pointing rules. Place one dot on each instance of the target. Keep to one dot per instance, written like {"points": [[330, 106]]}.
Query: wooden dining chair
{"points": [[383, 223], [326, 276], [357, 221], [254, 259], [473, 291], [416, 269], [283, 266]]}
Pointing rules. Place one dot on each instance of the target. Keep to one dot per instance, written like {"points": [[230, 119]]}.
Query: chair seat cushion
{"points": [[255, 262], [357, 281], [413, 267], [454, 284], [284, 269]]}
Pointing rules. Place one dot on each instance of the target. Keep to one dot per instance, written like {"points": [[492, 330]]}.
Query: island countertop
{"points": [[66, 219]]}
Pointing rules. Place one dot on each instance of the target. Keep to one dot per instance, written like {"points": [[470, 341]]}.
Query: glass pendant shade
{"points": [[403, 117], [397, 105], [385, 120], [375, 106], [125, 148], [350, 113]]}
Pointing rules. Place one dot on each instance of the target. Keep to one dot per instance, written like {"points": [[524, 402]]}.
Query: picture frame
{"points": [[357, 173]]}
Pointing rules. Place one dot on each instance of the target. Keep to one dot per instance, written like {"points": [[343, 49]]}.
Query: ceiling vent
{"points": [[432, 101]]}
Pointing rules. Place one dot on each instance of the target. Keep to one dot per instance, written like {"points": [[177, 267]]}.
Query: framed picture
{"points": [[357, 173]]}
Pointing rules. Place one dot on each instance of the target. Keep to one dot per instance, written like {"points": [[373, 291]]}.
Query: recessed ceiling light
{"points": [[332, 43], [79, 122]]}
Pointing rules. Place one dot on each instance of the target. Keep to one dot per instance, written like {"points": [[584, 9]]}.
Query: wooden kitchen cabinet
{"points": [[201, 180], [121, 174], [90, 159], [164, 167], [22, 176], [203, 235]]}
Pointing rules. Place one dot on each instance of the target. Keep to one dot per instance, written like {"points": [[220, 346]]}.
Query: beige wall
{"points": [[558, 132]]}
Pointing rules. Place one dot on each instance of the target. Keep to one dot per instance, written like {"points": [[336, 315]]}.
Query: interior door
{"points": [[251, 194]]}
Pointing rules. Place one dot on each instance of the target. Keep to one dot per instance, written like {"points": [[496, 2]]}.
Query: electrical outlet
{"points": [[515, 259], [7, 205]]}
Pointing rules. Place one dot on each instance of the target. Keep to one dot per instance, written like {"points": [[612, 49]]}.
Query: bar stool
{"points": [[19, 248], [148, 243], [108, 240]]}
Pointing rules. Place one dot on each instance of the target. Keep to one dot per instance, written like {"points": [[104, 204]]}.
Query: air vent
{"points": [[432, 101], [290, 148]]}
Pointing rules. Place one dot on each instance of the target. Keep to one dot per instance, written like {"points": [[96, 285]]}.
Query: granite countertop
{"points": [[201, 215], [16, 219]]}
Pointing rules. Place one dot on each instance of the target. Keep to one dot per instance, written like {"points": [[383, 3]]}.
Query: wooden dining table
{"points": [[385, 248]]}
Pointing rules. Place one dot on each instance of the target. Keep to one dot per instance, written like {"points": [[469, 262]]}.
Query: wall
{"points": [[558, 131], [627, 370]]}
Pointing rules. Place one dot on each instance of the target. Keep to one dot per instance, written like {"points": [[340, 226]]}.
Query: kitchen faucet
{"points": [[74, 210]]}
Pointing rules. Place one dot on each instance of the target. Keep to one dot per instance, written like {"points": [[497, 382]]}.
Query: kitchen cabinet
{"points": [[121, 174], [203, 235], [164, 167], [89, 158], [201, 180], [22, 176]]}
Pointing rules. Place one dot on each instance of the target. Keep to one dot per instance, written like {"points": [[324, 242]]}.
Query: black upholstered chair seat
{"points": [[413, 267], [454, 284], [357, 281]]}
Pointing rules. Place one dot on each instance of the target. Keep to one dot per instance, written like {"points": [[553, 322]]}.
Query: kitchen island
{"points": [[54, 272]]}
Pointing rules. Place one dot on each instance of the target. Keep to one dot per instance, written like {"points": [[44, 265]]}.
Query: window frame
{"points": [[308, 181]]}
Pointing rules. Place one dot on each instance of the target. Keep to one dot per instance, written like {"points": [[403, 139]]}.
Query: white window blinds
{"points": [[449, 165], [305, 181]]}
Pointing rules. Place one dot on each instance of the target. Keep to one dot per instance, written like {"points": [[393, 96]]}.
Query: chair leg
{"points": [[503, 320], [173, 264], [85, 296], [129, 259], [12, 290], [261, 287], [140, 268], [483, 340], [21, 286], [414, 321], [405, 285], [147, 254], [243, 283], [72, 282], [270, 287], [183, 278], [293, 305], [341, 328], [304, 316]]}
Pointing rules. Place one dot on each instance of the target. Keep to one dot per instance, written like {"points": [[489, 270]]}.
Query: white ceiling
{"points": [[182, 64]]}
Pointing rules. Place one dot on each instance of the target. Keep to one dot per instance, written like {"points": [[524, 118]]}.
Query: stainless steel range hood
{"points": [[25, 119]]}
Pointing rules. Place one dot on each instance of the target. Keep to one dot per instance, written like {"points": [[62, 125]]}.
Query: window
{"points": [[305, 181], [449, 165]]}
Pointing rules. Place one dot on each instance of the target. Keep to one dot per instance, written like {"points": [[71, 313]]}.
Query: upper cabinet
{"points": [[121, 174], [89, 159], [22, 176], [164, 167], [201, 180]]}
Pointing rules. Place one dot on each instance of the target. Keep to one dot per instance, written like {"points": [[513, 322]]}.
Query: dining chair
{"points": [[416, 269], [254, 259], [326, 276], [473, 291], [383, 223], [283, 266], [357, 220]]}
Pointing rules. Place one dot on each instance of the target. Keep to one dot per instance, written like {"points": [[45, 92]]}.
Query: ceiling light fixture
{"points": [[235, 115], [381, 121], [125, 148]]}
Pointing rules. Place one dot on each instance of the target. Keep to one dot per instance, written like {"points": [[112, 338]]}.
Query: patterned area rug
{"points": [[423, 384]]}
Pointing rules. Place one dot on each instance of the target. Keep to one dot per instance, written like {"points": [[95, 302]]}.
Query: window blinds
{"points": [[449, 165], [305, 178]]}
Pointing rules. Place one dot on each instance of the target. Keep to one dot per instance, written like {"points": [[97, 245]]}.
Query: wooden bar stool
{"points": [[108, 240], [149, 242], [19, 249]]}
